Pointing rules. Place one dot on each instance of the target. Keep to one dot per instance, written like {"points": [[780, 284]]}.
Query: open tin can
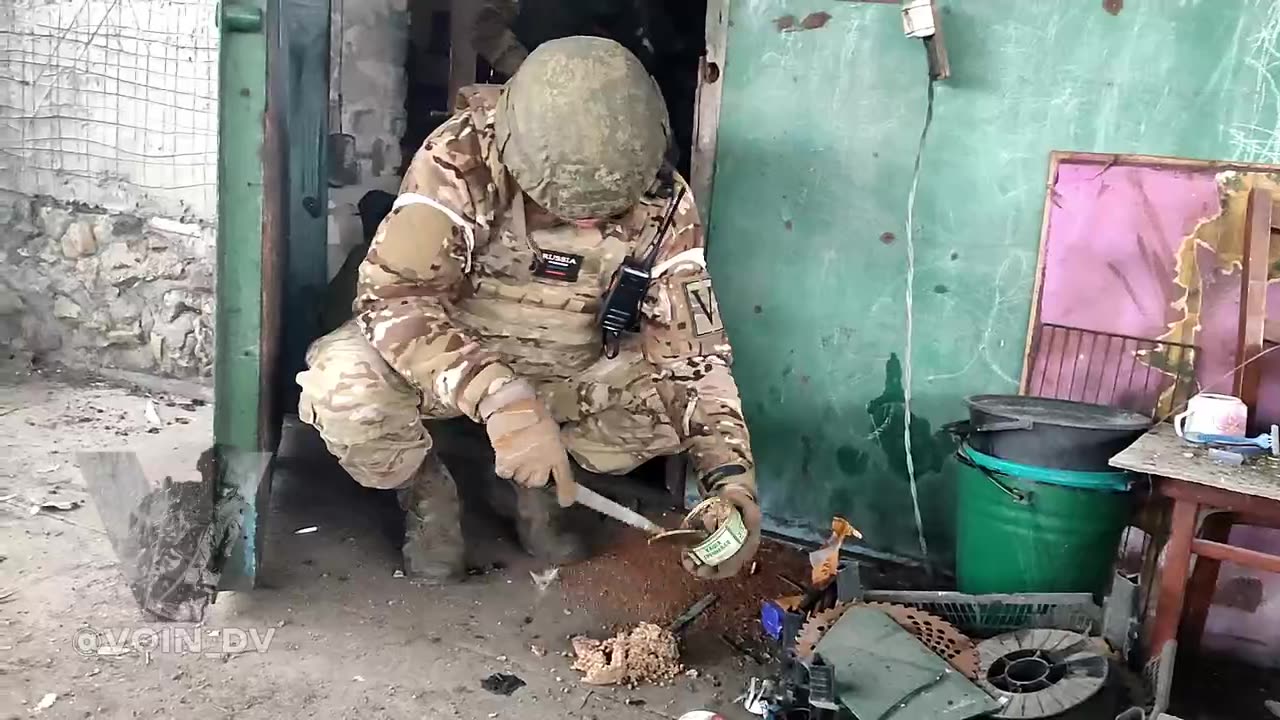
{"points": [[711, 533]]}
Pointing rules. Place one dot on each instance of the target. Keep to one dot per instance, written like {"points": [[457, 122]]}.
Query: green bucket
{"points": [[1021, 528]]}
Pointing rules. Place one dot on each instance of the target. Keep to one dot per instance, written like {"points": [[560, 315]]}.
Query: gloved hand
{"points": [[739, 490], [526, 440]]}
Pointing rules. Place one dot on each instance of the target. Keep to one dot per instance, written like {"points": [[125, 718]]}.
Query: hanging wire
{"points": [[910, 304]]}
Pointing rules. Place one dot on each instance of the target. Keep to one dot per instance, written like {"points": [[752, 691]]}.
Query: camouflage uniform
{"points": [[448, 314]]}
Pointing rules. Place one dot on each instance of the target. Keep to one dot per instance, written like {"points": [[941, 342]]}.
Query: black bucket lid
{"points": [[1065, 413]]}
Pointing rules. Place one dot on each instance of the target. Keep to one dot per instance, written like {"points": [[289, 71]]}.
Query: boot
{"points": [[542, 526], [433, 549]]}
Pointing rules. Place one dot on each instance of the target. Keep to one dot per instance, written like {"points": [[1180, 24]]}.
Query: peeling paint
{"points": [[1113, 6], [1223, 235], [812, 21]]}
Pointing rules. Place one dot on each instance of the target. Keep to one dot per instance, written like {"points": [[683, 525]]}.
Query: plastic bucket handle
{"points": [[1018, 496], [1111, 481]]}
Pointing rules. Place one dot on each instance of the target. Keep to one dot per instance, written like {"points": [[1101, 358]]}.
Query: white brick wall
{"points": [[111, 103]]}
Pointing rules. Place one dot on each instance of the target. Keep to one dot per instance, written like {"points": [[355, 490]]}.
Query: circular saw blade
{"points": [[936, 634], [932, 631], [815, 627]]}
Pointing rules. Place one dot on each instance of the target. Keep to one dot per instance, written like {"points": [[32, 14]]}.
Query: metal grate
{"points": [[111, 104], [988, 615], [1153, 377]]}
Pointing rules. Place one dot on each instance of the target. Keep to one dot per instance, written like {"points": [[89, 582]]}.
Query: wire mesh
{"points": [[111, 103], [1152, 377], [987, 615]]}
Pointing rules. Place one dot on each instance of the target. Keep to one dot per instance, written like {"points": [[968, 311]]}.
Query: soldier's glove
{"points": [[738, 489], [526, 440]]}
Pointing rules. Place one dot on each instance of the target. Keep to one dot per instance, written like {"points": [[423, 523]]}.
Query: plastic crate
{"points": [[987, 615]]}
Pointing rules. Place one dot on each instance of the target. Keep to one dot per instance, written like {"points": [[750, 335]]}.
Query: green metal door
{"points": [[246, 227], [249, 228], [271, 245]]}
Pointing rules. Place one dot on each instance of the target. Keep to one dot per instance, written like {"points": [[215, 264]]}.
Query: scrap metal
{"points": [[932, 631]]}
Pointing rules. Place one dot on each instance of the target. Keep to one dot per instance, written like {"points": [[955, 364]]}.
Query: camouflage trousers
{"points": [[612, 418]]}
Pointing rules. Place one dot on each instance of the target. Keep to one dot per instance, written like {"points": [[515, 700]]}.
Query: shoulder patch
{"points": [[704, 309]]}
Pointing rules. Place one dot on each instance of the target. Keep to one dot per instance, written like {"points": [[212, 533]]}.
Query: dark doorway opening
{"points": [[669, 37]]}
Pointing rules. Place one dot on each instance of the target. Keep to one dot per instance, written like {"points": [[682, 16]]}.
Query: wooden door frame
{"points": [[706, 119]]}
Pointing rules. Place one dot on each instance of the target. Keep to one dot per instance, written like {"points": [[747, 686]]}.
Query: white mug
{"points": [[1213, 414]]}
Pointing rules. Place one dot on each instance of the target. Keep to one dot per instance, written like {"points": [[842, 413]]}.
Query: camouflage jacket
{"points": [[449, 296]]}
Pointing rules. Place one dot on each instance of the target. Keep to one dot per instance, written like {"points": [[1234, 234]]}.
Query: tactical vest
{"points": [[541, 313]]}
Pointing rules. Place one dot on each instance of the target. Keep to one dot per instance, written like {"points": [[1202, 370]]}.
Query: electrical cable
{"points": [[910, 307]]}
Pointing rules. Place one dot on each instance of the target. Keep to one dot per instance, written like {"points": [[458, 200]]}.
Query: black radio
{"points": [[621, 311]]}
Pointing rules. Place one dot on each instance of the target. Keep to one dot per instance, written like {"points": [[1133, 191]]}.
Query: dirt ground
{"points": [[343, 636]]}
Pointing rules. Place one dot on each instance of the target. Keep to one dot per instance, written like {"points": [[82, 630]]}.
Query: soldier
{"points": [[481, 296]]}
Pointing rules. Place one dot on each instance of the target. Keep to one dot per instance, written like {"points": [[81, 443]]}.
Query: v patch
{"points": [[704, 309]]}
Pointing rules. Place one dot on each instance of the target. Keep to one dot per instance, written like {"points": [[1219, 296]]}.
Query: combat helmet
{"points": [[582, 127]]}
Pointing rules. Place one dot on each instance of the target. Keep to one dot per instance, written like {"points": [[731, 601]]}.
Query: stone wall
{"points": [[92, 288], [369, 46], [108, 167]]}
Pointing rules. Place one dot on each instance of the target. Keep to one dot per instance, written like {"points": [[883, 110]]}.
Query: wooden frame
{"points": [[1184, 595], [1253, 294], [1105, 160], [462, 54], [706, 119]]}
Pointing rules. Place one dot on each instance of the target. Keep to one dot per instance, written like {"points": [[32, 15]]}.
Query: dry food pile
{"points": [[646, 654]]}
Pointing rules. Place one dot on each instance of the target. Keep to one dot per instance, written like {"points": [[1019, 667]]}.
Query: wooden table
{"points": [[1221, 495]]}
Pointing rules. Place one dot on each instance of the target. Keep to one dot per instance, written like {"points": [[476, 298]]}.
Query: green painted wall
{"points": [[818, 132]]}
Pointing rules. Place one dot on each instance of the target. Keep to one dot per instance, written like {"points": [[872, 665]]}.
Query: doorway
{"points": [[451, 45]]}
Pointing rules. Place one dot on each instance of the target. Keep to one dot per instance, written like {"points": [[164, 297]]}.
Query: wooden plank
{"points": [[275, 227], [1204, 581], [1238, 555], [1250, 509], [462, 53], [706, 120], [1163, 454], [1162, 161], [1271, 331], [1173, 576], [1253, 296], [1029, 351]]}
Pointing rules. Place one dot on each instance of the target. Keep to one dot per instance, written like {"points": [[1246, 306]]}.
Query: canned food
{"points": [[713, 532]]}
